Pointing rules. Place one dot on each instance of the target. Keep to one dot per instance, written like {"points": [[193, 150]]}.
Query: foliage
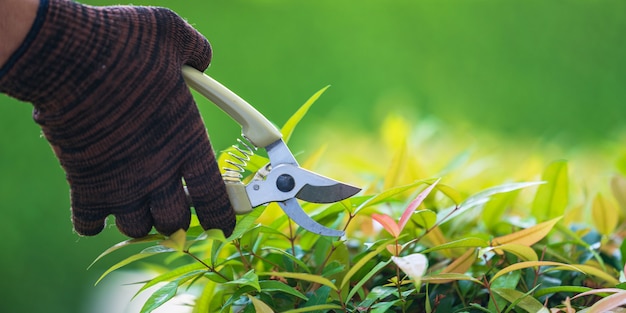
{"points": [[429, 233]]}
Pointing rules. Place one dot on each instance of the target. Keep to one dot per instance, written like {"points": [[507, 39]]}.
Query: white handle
{"points": [[254, 126]]}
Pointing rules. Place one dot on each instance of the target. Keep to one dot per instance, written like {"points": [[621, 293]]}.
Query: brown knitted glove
{"points": [[107, 90]]}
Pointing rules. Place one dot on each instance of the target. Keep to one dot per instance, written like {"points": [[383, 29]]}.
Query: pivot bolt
{"points": [[285, 183]]}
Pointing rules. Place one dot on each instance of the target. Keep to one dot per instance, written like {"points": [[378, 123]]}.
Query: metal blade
{"points": [[326, 194], [293, 209]]}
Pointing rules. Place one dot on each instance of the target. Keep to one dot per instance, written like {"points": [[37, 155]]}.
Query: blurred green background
{"points": [[554, 70]]}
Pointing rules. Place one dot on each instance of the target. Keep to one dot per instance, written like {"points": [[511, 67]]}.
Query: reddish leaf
{"points": [[414, 205], [388, 223]]}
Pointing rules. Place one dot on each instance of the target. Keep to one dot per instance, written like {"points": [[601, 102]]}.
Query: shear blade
{"points": [[293, 209], [326, 194]]}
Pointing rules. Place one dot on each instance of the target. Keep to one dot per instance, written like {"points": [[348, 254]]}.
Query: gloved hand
{"points": [[107, 90]]}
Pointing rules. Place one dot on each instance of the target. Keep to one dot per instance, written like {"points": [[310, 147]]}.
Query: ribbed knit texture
{"points": [[108, 93]]}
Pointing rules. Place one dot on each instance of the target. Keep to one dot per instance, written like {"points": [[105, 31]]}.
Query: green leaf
{"points": [[274, 285], [559, 289], [479, 199], [521, 300], [552, 198], [386, 195], [425, 219], [448, 277], [290, 256], [149, 238], [159, 297], [302, 276], [358, 265], [250, 278], [366, 278], [190, 269], [318, 296], [290, 125], [260, 306], [203, 301], [135, 257], [315, 308], [469, 242], [384, 307], [510, 281], [246, 223]]}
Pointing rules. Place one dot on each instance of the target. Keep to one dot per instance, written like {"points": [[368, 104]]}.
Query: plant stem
{"points": [[245, 262], [399, 286], [491, 294], [210, 268]]}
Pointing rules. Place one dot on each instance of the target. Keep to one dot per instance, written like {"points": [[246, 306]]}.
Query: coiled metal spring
{"points": [[239, 158]]}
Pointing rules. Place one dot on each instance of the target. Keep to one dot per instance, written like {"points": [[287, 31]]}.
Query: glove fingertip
{"points": [[88, 229], [134, 220], [86, 223]]}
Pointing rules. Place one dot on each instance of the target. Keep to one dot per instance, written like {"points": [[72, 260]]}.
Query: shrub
{"points": [[441, 226]]}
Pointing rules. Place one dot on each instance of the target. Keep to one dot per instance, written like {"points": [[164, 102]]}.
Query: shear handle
{"points": [[254, 126]]}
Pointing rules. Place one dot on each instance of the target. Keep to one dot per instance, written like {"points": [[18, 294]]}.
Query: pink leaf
{"points": [[609, 303], [388, 223], [414, 204]]}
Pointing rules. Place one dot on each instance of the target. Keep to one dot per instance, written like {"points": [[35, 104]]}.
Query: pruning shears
{"points": [[282, 181]]}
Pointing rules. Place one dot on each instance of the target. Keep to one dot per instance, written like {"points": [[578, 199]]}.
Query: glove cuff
{"points": [[30, 37]]}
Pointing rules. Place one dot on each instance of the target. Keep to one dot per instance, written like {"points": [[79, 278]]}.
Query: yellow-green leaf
{"points": [[444, 278], [593, 271], [618, 188], [605, 215], [397, 168], [469, 242], [358, 265], [495, 208], [523, 252], [527, 264], [260, 306], [302, 276], [522, 300], [451, 193], [176, 241], [462, 263], [314, 158], [552, 198], [528, 236], [290, 125]]}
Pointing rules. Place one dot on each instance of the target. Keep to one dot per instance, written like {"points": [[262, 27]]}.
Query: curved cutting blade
{"points": [[293, 209], [326, 194]]}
